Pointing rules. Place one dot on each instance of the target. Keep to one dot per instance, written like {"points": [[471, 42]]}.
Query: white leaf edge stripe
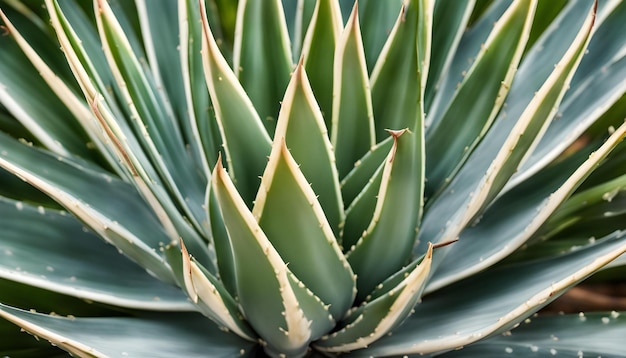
{"points": [[475, 201], [67, 344], [535, 301], [239, 22], [63, 92], [93, 295], [299, 79], [107, 120], [92, 218], [382, 192], [384, 53], [549, 206], [336, 20], [409, 288], [106, 17], [352, 30], [213, 60], [198, 286], [298, 331], [185, 37]]}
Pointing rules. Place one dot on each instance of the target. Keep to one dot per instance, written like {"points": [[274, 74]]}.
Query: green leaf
{"points": [[476, 103], [244, 137], [400, 73], [262, 56], [374, 319], [301, 125], [72, 261], [597, 87], [286, 315], [87, 192], [45, 115], [165, 335], [449, 23], [137, 167], [289, 214], [210, 295], [497, 157], [204, 128], [377, 19], [153, 118], [598, 334], [318, 52], [352, 132], [364, 169], [508, 294], [386, 243], [513, 219]]}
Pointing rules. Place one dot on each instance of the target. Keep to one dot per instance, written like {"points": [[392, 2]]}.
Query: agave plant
{"points": [[427, 180]]}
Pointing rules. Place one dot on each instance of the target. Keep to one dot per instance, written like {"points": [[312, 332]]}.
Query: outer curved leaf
{"points": [[598, 334], [496, 158], [476, 103], [73, 261], [285, 314], [153, 118], [597, 85], [245, 139], [449, 22], [262, 56], [166, 335], [352, 132], [86, 192], [508, 294]]}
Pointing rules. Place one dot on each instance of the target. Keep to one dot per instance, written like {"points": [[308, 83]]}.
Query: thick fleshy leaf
{"points": [[476, 103], [136, 164], [244, 137], [377, 19], [71, 260], [597, 85], [210, 295], [449, 22], [262, 55], [352, 132], [286, 315], [385, 245], [497, 157], [506, 296], [153, 118], [399, 77], [165, 335], [289, 214], [86, 192], [318, 51], [599, 334], [202, 121], [513, 219], [364, 169], [55, 133], [301, 126], [372, 320]]}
